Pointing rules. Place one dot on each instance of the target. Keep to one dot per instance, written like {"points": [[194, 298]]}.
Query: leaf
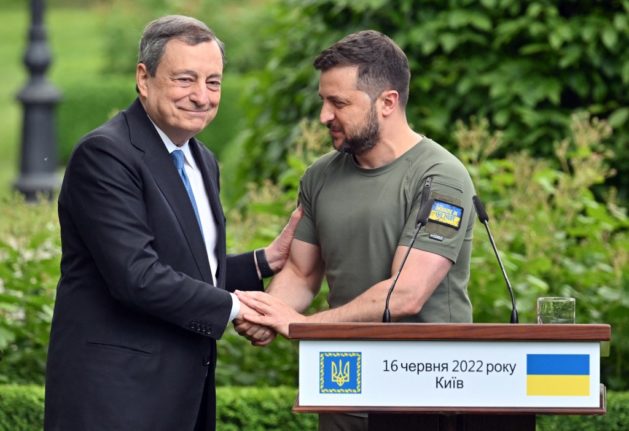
{"points": [[609, 37], [537, 283], [619, 117], [448, 42]]}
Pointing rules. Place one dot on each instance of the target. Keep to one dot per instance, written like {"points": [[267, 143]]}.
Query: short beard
{"points": [[366, 139]]}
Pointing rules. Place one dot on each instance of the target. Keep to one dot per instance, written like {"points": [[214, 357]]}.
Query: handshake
{"points": [[262, 316]]}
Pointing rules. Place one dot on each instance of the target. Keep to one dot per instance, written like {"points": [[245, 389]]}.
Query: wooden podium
{"points": [[450, 376]]}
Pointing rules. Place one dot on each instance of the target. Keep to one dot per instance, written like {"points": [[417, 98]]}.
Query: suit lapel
{"points": [[144, 136], [209, 170]]}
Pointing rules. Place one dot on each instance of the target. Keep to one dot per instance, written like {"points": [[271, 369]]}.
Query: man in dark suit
{"points": [[145, 281]]}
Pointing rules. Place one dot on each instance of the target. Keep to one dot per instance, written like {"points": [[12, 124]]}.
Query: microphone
{"points": [[422, 218], [484, 219]]}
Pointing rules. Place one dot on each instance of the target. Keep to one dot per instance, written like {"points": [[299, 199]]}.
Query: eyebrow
{"points": [[193, 73], [334, 98]]}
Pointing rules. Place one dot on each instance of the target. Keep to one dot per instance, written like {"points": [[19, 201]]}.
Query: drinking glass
{"points": [[555, 309]]}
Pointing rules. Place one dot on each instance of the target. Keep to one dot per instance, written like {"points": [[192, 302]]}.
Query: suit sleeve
{"points": [[241, 273], [104, 197]]}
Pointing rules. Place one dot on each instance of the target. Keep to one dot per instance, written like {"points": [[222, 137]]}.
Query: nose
{"points": [[326, 115], [200, 94]]}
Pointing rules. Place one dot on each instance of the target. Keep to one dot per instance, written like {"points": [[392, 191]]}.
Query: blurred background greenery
{"points": [[533, 97]]}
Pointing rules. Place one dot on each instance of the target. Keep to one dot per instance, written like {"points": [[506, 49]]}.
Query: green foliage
{"points": [[556, 238], [260, 409], [526, 66], [125, 20], [616, 418], [29, 262], [255, 409], [87, 104], [22, 409]]}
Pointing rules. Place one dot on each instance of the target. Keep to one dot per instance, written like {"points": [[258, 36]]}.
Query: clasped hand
{"points": [[263, 316]]}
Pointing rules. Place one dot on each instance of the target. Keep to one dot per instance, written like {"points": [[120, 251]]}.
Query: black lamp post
{"points": [[39, 97]]}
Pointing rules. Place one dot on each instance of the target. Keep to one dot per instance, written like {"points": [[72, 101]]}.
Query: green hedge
{"points": [[617, 417], [88, 104], [253, 409]]}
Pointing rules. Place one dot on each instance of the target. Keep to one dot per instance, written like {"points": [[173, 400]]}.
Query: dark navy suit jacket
{"points": [[136, 317]]}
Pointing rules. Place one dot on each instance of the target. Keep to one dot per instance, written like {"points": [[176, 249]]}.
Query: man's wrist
{"points": [[235, 311], [264, 269]]}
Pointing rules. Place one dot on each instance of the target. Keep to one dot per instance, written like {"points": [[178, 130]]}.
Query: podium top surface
{"points": [[450, 331]]}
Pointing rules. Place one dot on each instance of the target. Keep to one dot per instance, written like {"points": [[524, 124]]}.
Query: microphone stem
{"points": [[387, 313], [514, 313]]}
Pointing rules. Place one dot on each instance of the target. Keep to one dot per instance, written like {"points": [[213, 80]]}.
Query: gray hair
{"points": [[158, 32]]}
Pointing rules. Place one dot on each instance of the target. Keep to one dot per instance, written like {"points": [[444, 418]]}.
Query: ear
{"points": [[389, 102], [141, 79]]}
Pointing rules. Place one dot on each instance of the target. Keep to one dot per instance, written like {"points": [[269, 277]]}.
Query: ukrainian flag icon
{"points": [[557, 375]]}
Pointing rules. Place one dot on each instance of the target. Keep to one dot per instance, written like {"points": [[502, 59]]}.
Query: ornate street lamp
{"points": [[39, 97]]}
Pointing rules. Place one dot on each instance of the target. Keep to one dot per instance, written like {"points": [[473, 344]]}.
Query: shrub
{"points": [[29, 266], [616, 418], [525, 66], [125, 20], [88, 104], [556, 238], [22, 409]]}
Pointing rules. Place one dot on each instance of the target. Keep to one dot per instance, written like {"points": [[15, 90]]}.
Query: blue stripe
{"points": [[558, 364]]}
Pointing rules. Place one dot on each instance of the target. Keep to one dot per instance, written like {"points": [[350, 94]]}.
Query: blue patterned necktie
{"points": [[178, 159]]}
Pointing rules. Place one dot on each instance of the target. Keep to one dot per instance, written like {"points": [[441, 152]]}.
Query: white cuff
{"points": [[235, 307]]}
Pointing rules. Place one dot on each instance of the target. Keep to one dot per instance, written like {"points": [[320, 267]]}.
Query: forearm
{"points": [[295, 290], [368, 307], [417, 282]]}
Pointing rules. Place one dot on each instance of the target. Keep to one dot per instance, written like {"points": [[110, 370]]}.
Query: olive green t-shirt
{"points": [[358, 217]]}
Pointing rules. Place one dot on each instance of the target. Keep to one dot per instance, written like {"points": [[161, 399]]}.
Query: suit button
{"points": [[207, 361]]}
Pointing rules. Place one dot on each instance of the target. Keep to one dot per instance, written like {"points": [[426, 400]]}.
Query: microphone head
{"points": [[480, 209], [424, 212]]}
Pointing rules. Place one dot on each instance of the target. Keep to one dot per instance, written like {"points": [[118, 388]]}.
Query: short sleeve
{"points": [[450, 219], [306, 229]]}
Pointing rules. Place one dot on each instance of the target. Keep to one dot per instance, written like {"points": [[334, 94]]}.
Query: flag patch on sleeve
{"points": [[446, 214]]}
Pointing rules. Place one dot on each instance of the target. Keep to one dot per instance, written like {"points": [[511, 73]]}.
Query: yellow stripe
{"points": [[558, 385]]}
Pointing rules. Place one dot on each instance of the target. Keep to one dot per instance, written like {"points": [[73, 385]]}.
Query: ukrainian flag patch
{"points": [[340, 372], [446, 214], [558, 375]]}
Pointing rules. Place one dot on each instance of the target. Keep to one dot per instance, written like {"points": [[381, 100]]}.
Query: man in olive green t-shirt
{"points": [[360, 207]]}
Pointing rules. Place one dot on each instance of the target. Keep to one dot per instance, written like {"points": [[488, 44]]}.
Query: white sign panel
{"points": [[449, 374]]}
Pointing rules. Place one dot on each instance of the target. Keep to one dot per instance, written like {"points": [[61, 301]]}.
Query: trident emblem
{"points": [[338, 377]]}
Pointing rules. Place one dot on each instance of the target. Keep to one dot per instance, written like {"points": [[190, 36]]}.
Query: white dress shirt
{"points": [[208, 224]]}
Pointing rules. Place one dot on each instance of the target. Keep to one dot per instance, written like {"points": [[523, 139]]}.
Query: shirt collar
{"points": [[170, 146]]}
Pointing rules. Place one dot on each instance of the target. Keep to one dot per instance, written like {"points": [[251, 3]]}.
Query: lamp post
{"points": [[39, 97]]}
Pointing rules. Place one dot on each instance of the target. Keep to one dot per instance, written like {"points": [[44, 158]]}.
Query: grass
{"points": [[75, 39]]}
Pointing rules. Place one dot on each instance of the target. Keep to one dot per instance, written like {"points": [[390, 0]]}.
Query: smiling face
{"points": [[183, 96], [349, 113]]}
